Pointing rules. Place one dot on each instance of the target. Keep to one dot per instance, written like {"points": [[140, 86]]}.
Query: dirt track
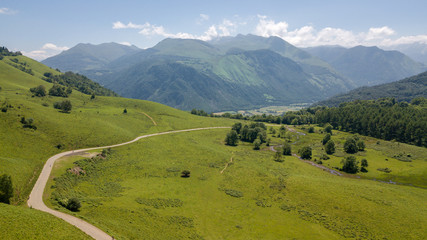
{"points": [[35, 199]]}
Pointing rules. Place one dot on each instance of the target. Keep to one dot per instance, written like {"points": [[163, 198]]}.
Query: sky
{"points": [[43, 28]]}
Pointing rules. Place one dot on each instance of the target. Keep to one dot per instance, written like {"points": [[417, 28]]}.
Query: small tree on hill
{"points": [[6, 188], [349, 165], [232, 138], [287, 149], [185, 174], [305, 152], [364, 165], [311, 129], [257, 144], [237, 127], [350, 146], [326, 138], [278, 157], [73, 204], [330, 147], [360, 145], [328, 128], [39, 91]]}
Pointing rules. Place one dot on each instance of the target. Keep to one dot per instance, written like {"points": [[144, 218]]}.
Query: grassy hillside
{"points": [[403, 90], [94, 122], [239, 193], [23, 223]]}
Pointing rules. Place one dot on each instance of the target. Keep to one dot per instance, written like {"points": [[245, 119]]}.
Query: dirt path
{"points": [[226, 165], [35, 199], [154, 122]]}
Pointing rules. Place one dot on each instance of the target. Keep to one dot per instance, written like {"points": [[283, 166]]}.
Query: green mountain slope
{"points": [[84, 57], [403, 90], [235, 73], [368, 66]]}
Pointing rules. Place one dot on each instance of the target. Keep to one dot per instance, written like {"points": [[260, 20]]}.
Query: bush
{"points": [[278, 157], [73, 204], [185, 174], [311, 129], [350, 146], [233, 193], [305, 152], [330, 147], [328, 128], [39, 91], [326, 138], [65, 106], [257, 144], [360, 145], [287, 149], [232, 138], [125, 111], [349, 165], [6, 188], [58, 91]]}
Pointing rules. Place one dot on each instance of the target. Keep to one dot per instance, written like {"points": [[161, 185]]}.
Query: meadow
{"points": [[137, 193]]}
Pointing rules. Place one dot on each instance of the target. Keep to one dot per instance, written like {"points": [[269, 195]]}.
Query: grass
{"points": [[137, 192], [24, 223]]}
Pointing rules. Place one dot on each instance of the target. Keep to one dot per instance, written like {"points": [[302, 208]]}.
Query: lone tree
{"points": [[6, 189], [73, 204], [326, 138], [39, 91], [364, 165], [305, 152], [125, 111], [349, 165], [311, 129], [65, 106], [232, 138], [278, 157], [257, 144], [287, 149], [350, 145], [330, 147], [185, 174]]}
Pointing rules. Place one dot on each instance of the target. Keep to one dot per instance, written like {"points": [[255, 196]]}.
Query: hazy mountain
{"points": [[416, 51], [232, 73], [368, 66], [403, 90], [84, 57]]}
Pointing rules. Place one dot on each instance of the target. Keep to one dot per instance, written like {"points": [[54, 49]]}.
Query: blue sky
{"points": [[43, 28]]}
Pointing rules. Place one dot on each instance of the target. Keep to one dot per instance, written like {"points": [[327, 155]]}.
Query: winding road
{"points": [[35, 199]]}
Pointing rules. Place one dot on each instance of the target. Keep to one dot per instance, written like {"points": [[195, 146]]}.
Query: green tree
{"points": [[305, 152], [328, 128], [58, 91], [326, 138], [278, 157], [237, 127], [287, 149], [350, 146], [125, 111], [6, 188], [330, 147], [92, 96], [66, 106], [73, 204], [232, 138], [39, 91], [349, 165], [360, 145], [185, 174], [311, 129], [364, 165], [257, 144]]}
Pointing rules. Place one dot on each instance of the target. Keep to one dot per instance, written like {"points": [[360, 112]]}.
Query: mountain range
{"points": [[231, 73], [368, 66], [402, 90]]}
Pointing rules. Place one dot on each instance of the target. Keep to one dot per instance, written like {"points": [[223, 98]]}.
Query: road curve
{"points": [[35, 199]]}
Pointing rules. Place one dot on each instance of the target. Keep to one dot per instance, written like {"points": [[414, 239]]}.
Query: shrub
{"points": [[185, 174], [39, 91], [349, 165], [360, 145], [232, 138], [6, 188], [73, 204], [65, 106], [278, 157], [330, 147], [350, 146], [58, 91], [257, 144], [311, 129], [125, 111], [328, 128], [233, 193], [305, 152], [287, 149], [326, 138]]}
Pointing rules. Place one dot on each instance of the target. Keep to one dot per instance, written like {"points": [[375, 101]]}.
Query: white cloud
{"points": [[7, 11], [308, 36], [47, 50], [126, 43], [226, 28], [203, 18]]}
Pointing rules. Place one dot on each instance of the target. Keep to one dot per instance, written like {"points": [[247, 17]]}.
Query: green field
{"points": [[137, 192]]}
